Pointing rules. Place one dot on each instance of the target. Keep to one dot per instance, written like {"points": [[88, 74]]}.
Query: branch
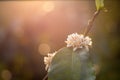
{"points": [[45, 77], [90, 22]]}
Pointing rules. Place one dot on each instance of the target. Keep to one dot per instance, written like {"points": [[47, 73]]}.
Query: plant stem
{"points": [[45, 77], [90, 22]]}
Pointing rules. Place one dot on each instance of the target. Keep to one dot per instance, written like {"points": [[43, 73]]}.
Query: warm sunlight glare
{"points": [[48, 6]]}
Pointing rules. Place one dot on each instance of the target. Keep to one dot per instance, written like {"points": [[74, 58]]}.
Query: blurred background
{"points": [[31, 29]]}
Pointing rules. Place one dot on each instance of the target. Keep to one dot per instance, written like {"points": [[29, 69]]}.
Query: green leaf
{"points": [[71, 65], [99, 4]]}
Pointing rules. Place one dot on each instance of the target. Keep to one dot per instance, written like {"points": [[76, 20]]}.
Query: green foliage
{"points": [[71, 65], [99, 4]]}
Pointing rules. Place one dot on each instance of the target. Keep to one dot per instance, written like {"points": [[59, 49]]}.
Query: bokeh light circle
{"points": [[44, 49]]}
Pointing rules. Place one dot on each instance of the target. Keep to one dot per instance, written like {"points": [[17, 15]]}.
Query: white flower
{"points": [[48, 59], [78, 41]]}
